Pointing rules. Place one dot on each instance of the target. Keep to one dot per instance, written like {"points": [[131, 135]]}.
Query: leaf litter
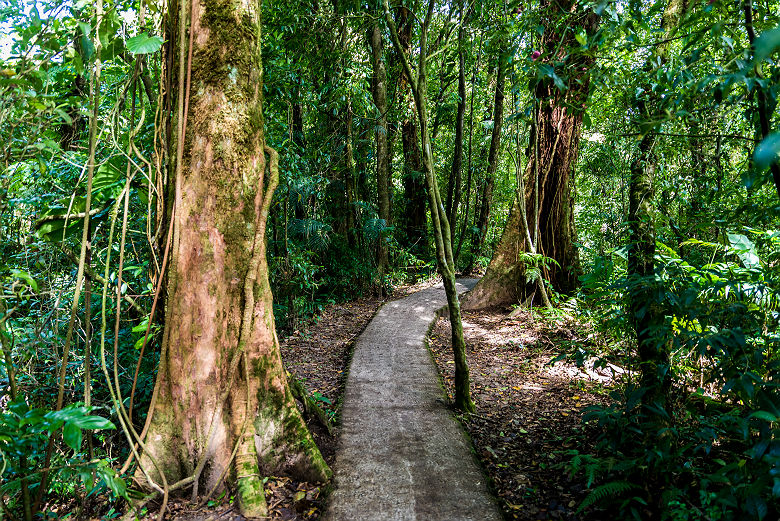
{"points": [[528, 410]]}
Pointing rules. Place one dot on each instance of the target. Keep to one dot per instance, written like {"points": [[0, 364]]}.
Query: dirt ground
{"points": [[318, 355], [528, 411]]}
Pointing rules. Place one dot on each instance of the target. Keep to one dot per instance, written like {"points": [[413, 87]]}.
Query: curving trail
{"points": [[402, 456]]}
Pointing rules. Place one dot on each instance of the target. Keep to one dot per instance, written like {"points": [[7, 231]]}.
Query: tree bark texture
{"points": [[653, 355], [548, 183], [379, 91], [415, 217], [222, 407]]}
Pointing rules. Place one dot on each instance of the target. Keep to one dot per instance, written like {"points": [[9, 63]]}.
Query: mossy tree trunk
{"points": [[654, 355], [222, 406], [441, 226], [379, 92], [549, 177]]}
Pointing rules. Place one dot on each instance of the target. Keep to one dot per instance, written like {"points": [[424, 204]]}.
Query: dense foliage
{"points": [[679, 94]]}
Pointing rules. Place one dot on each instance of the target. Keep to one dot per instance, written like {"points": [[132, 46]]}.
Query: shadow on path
{"points": [[402, 456]]}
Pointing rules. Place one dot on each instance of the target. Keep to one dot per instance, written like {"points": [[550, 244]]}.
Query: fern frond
{"points": [[613, 488]]}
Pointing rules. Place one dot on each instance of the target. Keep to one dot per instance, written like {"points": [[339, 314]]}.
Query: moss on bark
{"points": [[223, 404]]}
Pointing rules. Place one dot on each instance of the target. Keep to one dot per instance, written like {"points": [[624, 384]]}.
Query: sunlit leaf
{"points": [[144, 44]]}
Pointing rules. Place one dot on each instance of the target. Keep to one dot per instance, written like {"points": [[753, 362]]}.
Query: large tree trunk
{"points": [[379, 91], [549, 186], [222, 406]]}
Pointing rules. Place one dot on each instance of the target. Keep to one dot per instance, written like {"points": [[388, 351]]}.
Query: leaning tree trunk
{"points": [[441, 226], [549, 184], [222, 407]]}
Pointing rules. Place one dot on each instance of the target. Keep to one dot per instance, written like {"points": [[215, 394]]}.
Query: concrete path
{"points": [[402, 456]]}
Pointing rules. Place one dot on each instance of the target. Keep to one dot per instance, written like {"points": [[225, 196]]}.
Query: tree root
{"points": [[310, 407]]}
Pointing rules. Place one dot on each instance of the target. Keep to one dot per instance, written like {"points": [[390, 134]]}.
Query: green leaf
{"points": [[23, 275], [764, 415], [767, 43], [105, 176], [144, 44], [768, 151], [71, 433], [87, 48], [93, 422], [86, 29], [745, 250], [549, 71]]}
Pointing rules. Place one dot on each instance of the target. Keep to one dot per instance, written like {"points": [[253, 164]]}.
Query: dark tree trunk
{"points": [[653, 354], [762, 103], [549, 184], [379, 91], [298, 136], [416, 221]]}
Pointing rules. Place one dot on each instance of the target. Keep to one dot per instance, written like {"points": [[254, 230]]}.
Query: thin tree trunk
{"points": [[350, 185], [469, 166], [654, 356], [441, 226], [493, 156], [454, 186]]}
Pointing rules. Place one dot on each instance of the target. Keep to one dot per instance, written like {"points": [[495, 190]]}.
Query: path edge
{"points": [[491, 486]]}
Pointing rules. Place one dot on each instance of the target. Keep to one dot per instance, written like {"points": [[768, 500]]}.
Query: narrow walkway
{"points": [[402, 456]]}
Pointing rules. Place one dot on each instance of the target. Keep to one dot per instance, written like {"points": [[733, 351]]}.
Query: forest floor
{"points": [[529, 411], [318, 354]]}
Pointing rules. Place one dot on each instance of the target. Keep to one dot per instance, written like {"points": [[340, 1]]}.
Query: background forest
{"points": [[616, 161]]}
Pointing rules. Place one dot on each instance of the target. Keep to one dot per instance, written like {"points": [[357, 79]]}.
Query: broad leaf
{"points": [[71, 433], [745, 250], [144, 44], [768, 151], [767, 43]]}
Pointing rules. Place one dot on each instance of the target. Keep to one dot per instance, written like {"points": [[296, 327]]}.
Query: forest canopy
{"points": [[613, 160]]}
